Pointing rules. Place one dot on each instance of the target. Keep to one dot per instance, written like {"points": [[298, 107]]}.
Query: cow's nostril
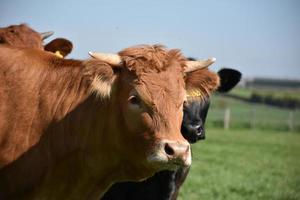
{"points": [[200, 131], [169, 150], [196, 127]]}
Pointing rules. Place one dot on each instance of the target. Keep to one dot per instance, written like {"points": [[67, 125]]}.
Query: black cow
{"points": [[165, 185], [195, 112]]}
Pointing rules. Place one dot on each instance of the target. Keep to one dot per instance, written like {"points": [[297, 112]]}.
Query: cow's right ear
{"points": [[107, 66], [101, 76], [60, 46]]}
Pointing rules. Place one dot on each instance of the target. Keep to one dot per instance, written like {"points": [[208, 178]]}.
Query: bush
{"points": [[269, 99]]}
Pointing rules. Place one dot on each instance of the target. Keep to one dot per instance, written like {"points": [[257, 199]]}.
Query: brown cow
{"points": [[69, 128], [25, 37]]}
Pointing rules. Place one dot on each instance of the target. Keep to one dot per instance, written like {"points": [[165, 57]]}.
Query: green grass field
{"points": [[247, 164]]}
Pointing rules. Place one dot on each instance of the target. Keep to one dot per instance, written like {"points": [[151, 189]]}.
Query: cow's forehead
{"points": [[165, 86], [152, 58], [158, 73]]}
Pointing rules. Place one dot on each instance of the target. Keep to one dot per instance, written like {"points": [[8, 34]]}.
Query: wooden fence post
{"points": [[290, 121], [252, 123], [226, 118]]}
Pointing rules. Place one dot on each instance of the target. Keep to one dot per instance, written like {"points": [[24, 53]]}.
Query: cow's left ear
{"points": [[201, 82], [229, 78], [59, 46]]}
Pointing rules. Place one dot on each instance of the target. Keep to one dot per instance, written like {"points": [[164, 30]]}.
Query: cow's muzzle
{"points": [[172, 154], [177, 153]]}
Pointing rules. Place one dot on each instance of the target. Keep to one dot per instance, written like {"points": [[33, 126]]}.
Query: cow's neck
{"points": [[57, 159], [83, 163], [87, 162], [93, 164]]}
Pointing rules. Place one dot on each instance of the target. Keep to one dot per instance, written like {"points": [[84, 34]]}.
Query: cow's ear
{"points": [[59, 46], [229, 78], [201, 82], [101, 76]]}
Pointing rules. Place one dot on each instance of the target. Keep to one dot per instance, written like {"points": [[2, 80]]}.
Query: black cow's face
{"points": [[195, 111], [194, 117]]}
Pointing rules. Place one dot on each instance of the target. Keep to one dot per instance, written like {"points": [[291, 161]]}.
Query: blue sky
{"points": [[258, 37]]}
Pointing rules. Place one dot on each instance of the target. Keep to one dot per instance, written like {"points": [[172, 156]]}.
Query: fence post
{"points": [[253, 110], [226, 118], [291, 120]]}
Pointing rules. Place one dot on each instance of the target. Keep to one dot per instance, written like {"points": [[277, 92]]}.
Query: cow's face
{"points": [[195, 112], [152, 108], [150, 88], [196, 108]]}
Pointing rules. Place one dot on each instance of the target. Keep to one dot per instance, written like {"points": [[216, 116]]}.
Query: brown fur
{"points": [[25, 37], [21, 36], [146, 58], [202, 82], [58, 140]]}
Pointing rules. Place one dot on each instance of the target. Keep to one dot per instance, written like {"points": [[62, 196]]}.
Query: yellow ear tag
{"points": [[58, 54], [194, 93]]}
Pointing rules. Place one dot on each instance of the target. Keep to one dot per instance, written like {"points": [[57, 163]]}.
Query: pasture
{"points": [[244, 164], [255, 116]]}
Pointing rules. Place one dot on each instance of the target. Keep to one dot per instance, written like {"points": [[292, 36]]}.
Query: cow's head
{"points": [[25, 37], [149, 83], [195, 111]]}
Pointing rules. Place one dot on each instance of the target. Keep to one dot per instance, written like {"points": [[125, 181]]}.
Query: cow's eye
{"points": [[134, 100], [134, 103]]}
